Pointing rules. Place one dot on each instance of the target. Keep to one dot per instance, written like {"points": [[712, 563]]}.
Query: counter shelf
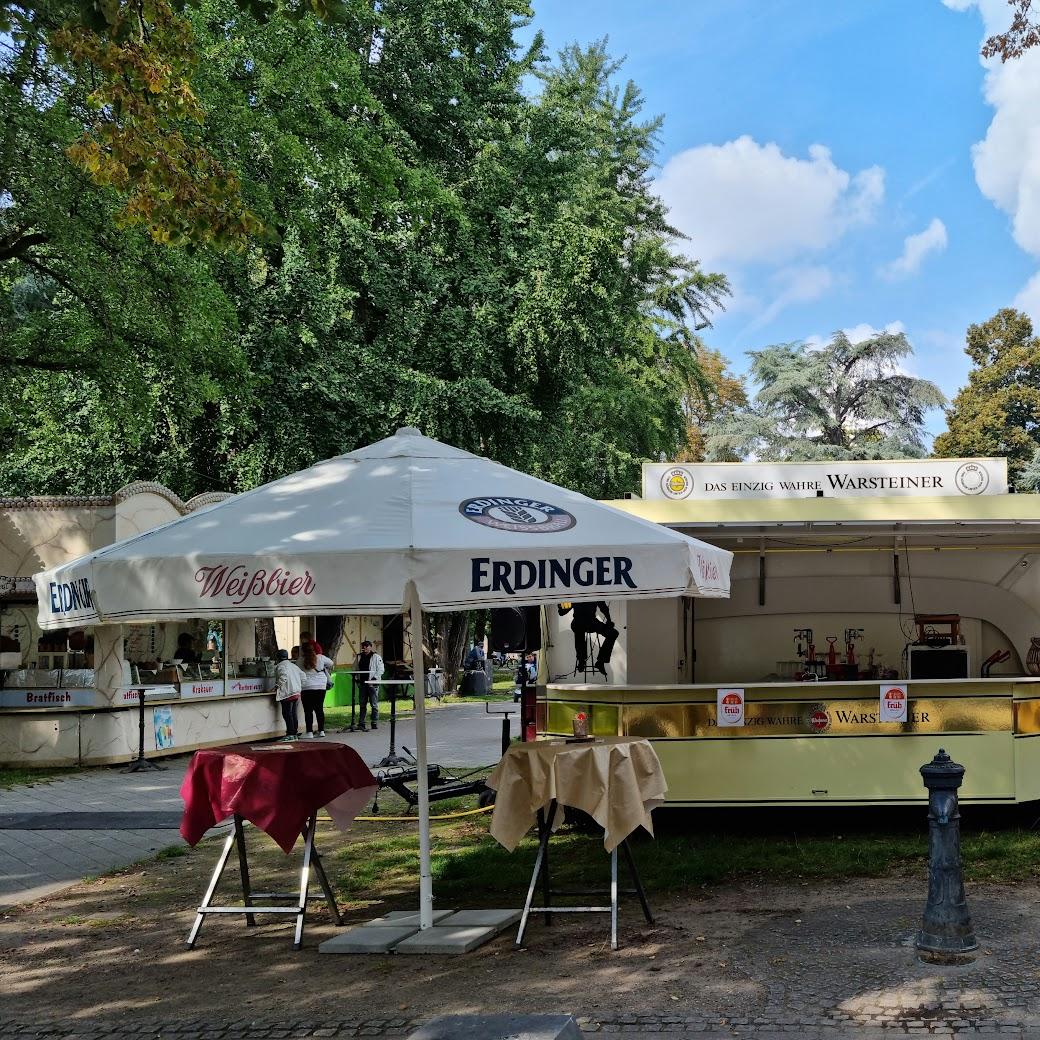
{"points": [[811, 743]]}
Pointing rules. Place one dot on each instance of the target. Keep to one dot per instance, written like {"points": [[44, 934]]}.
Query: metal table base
{"points": [[249, 907], [541, 868], [392, 758]]}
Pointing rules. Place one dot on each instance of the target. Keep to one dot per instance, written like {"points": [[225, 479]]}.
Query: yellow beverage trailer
{"points": [[854, 553]]}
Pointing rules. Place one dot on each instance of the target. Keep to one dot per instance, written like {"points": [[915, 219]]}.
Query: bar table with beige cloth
{"points": [[618, 781]]}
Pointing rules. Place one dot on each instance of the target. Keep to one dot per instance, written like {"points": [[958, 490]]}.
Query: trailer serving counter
{"points": [[811, 743], [848, 578]]}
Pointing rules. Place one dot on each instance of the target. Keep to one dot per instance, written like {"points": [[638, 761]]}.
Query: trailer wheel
{"points": [[486, 798]]}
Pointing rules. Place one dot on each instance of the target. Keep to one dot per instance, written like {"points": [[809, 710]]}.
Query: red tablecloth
{"points": [[276, 787]]}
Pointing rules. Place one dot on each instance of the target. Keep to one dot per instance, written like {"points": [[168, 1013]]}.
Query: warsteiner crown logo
{"points": [[524, 515], [677, 482], [971, 479]]}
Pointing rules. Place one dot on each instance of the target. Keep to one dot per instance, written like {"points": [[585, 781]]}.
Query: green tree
{"points": [[998, 412], [442, 249], [844, 400], [110, 345], [605, 305]]}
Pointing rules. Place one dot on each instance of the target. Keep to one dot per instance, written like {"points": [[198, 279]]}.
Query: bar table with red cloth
{"points": [[276, 787]]}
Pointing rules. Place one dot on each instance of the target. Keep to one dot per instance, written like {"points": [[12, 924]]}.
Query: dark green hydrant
{"points": [[946, 935]]}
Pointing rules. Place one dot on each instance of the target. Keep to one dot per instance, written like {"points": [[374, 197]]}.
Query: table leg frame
{"points": [[392, 758], [541, 869], [311, 860]]}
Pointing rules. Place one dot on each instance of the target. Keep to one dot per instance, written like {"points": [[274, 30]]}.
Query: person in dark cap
{"points": [[288, 682], [368, 661]]}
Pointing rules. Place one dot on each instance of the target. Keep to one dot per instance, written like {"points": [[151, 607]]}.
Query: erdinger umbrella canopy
{"points": [[347, 536], [408, 522]]}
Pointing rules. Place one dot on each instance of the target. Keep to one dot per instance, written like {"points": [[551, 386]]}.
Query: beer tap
{"points": [[851, 635], [808, 650]]}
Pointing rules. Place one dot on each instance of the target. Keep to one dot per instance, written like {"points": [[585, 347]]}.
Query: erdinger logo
{"points": [[524, 515], [676, 482], [971, 478]]}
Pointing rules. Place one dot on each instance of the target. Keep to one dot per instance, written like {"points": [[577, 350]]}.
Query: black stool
{"points": [[593, 645]]}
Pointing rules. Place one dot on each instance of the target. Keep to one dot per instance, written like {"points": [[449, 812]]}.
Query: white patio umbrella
{"points": [[407, 522]]}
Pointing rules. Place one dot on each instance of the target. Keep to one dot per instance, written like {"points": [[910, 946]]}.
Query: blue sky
{"points": [[823, 155]]}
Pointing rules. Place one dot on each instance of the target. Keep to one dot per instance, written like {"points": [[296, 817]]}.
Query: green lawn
{"points": [[16, 777], [340, 716], [468, 861], [683, 858]]}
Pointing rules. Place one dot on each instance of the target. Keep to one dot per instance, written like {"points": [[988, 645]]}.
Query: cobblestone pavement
{"points": [[624, 1028], [762, 962]]}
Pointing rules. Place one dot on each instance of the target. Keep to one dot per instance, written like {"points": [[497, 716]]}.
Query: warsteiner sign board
{"points": [[916, 478]]}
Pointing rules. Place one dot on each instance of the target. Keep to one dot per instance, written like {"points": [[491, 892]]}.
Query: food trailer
{"points": [[878, 611], [70, 697]]}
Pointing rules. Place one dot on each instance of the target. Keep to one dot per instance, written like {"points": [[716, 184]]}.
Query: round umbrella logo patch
{"points": [[524, 515]]}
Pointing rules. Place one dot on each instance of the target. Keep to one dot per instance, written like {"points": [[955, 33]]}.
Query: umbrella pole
{"points": [[419, 674]]}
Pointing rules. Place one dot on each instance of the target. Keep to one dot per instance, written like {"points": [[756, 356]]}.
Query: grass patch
{"points": [[172, 852], [469, 864], [18, 777], [339, 716], [466, 861]]}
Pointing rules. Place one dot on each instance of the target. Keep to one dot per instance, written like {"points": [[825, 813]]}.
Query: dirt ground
{"points": [[115, 947]]}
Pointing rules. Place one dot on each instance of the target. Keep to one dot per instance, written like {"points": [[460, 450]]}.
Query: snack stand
{"points": [[860, 592], [70, 696]]}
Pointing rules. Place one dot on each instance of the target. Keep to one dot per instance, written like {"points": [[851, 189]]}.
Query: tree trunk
{"points": [[329, 631], [480, 624], [451, 646], [266, 639]]}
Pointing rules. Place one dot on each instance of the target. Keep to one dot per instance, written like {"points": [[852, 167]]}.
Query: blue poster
{"points": [[162, 720]]}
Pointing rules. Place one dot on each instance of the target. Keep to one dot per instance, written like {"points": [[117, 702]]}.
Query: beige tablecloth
{"points": [[618, 781]]}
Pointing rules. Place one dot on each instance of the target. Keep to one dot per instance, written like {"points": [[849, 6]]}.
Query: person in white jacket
{"points": [[369, 661], [288, 683]]}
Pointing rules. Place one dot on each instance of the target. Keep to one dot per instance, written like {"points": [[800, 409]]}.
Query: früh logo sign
{"points": [[893, 702], [729, 708]]}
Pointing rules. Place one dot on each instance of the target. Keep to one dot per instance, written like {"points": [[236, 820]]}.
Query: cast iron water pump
{"points": [[946, 934]]}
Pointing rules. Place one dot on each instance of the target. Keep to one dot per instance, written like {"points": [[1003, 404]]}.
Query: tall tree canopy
{"points": [[439, 248], [998, 412], [712, 396], [843, 400]]}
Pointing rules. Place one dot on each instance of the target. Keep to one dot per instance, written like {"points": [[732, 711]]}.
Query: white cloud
{"points": [[1028, 299], [858, 333], [1007, 159], [743, 202], [794, 285], [863, 331], [915, 248]]}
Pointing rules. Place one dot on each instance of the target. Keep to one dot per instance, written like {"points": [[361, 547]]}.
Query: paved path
{"points": [[40, 853], [633, 1026]]}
